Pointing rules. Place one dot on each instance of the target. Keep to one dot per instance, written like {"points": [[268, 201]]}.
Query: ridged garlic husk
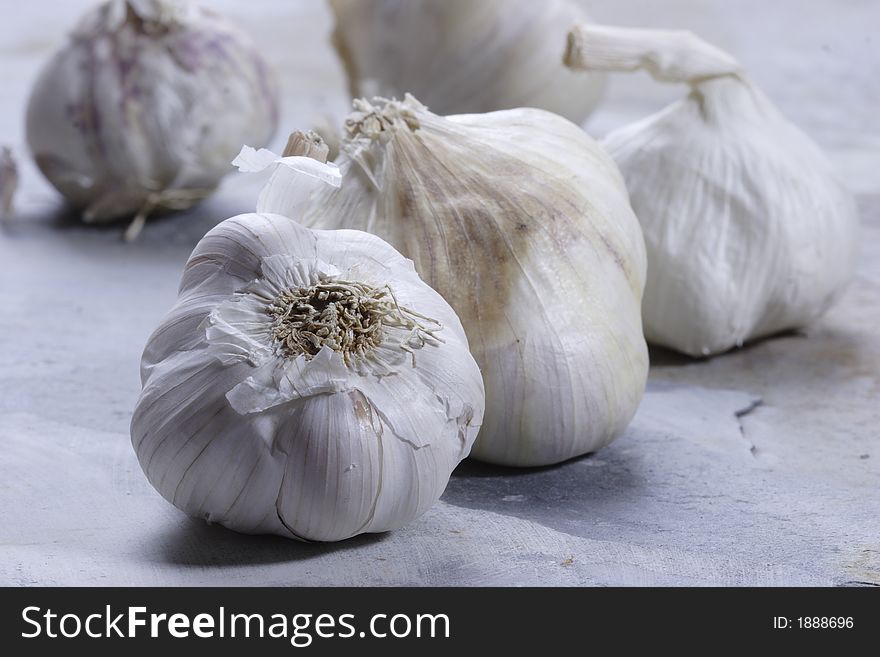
{"points": [[522, 222], [145, 105], [306, 384], [749, 230], [459, 56]]}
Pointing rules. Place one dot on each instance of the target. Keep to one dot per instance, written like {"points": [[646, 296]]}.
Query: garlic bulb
{"points": [[144, 107], [306, 383], [461, 56], [8, 181], [522, 223], [748, 229]]}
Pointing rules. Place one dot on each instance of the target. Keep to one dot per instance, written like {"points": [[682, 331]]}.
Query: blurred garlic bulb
{"points": [[461, 56], [748, 229], [8, 181], [145, 105], [522, 223], [306, 383]]}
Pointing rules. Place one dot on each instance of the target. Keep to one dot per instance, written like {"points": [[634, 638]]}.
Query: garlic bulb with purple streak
{"points": [[145, 105], [306, 383], [8, 181]]}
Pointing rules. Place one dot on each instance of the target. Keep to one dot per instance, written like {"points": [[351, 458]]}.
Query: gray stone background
{"points": [[759, 467]]}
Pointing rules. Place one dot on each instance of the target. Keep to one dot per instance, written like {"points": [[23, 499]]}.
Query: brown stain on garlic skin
{"points": [[363, 412], [474, 219], [489, 236], [524, 233], [475, 254]]}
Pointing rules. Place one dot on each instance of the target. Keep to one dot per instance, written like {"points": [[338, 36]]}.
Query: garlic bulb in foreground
{"points": [[306, 383], [748, 229], [461, 56], [145, 105], [522, 223]]}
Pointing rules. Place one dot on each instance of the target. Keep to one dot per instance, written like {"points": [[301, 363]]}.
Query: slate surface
{"points": [[758, 467]]}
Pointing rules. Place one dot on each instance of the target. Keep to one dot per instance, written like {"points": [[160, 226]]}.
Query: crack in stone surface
{"points": [[740, 414], [858, 582]]}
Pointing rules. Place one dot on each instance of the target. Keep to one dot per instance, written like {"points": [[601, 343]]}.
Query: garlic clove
{"points": [[315, 465], [748, 229]]}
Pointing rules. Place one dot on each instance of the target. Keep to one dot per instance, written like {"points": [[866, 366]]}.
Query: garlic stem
{"points": [[168, 199], [307, 144], [137, 224], [668, 55]]}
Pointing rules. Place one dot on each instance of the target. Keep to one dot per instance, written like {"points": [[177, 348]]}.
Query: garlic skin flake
{"points": [[144, 107], [522, 223], [748, 229], [459, 56], [306, 384]]}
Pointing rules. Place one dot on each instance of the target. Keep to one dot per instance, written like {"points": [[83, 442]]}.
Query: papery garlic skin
{"points": [[459, 56], [145, 105], [749, 230], [522, 223], [234, 429]]}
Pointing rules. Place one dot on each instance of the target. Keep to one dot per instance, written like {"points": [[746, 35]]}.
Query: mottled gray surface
{"points": [[758, 467]]}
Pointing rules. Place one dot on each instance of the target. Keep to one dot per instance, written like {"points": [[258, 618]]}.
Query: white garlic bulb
{"points": [[306, 383], [522, 223], [459, 56], [748, 229], [145, 105]]}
